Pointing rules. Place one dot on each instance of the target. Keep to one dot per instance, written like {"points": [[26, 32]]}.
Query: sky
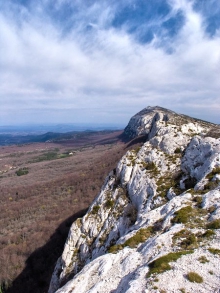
{"points": [[83, 61]]}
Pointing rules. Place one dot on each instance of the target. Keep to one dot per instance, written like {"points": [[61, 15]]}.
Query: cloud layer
{"points": [[73, 61]]}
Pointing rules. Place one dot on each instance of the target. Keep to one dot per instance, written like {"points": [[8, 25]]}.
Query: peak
{"points": [[143, 122], [150, 109]]}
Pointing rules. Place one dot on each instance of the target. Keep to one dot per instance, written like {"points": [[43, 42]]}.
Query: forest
{"points": [[44, 187]]}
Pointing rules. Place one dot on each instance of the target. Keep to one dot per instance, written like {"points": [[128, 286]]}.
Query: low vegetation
{"points": [[164, 183], [49, 156], [191, 217], [203, 259], [214, 224], [178, 151], [185, 239], [198, 200], [22, 171], [194, 277], [208, 233], [141, 236], [109, 204], [214, 172], [95, 210], [150, 167], [182, 215], [161, 264], [214, 251]]}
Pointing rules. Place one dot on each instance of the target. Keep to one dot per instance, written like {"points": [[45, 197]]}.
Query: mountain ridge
{"points": [[156, 217], [138, 125]]}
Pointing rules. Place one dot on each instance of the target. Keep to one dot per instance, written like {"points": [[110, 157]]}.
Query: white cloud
{"points": [[106, 69]]}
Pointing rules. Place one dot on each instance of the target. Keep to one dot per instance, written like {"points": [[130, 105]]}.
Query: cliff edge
{"points": [[155, 226]]}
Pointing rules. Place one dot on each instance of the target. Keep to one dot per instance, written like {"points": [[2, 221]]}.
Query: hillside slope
{"points": [[155, 226]]}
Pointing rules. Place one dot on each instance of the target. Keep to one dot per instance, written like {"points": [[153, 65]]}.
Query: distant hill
{"points": [[10, 139]]}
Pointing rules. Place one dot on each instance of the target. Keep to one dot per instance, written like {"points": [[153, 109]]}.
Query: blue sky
{"points": [[102, 61]]}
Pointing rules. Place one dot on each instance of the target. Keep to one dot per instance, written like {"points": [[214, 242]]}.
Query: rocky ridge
{"points": [[155, 226]]}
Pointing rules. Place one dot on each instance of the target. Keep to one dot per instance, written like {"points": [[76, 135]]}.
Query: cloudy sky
{"points": [[102, 61]]}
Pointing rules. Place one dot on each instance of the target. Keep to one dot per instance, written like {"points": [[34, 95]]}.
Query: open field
{"points": [[43, 188]]}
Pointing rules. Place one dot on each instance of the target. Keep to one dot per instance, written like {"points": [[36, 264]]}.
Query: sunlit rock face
{"points": [[156, 219]]}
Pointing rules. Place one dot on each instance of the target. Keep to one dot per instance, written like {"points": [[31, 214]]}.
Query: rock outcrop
{"points": [[155, 226]]}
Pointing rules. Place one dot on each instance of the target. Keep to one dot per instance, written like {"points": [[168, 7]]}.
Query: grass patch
{"points": [[194, 277], [46, 157], [214, 251], [208, 233], [198, 200], [192, 217], [212, 209], [49, 156], [150, 166], [164, 183], [185, 239], [214, 224], [182, 215], [203, 259], [61, 156], [210, 185], [141, 236], [161, 264]]}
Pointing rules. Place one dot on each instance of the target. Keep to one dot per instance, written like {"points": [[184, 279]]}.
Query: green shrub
{"points": [[214, 224], [109, 204], [95, 209], [161, 264], [22, 171], [182, 215], [194, 277]]}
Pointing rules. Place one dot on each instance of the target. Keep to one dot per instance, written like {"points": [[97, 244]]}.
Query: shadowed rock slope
{"points": [[155, 226]]}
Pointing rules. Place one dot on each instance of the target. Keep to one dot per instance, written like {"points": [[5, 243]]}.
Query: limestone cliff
{"points": [[156, 223]]}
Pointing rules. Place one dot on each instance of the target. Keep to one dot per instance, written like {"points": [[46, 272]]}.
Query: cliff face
{"points": [[157, 217]]}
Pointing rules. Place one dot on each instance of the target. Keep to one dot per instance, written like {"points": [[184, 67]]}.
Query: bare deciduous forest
{"points": [[44, 187]]}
